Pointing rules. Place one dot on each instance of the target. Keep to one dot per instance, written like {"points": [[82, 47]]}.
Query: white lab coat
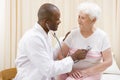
{"points": [[35, 57]]}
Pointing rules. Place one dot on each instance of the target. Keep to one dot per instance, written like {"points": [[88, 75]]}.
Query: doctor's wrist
{"points": [[75, 60]]}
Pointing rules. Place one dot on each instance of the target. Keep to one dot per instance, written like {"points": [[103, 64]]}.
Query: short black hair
{"points": [[46, 11]]}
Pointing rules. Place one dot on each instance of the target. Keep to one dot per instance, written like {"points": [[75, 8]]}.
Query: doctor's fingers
{"points": [[82, 55], [84, 51]]}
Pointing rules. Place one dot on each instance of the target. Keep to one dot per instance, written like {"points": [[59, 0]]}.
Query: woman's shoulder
{"points": [[75, 31], [101, 32]]}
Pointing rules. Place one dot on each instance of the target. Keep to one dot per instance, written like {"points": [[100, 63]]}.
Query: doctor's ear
{"points": [[46, 24]]}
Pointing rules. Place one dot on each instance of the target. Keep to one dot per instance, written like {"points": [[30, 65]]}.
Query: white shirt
{"points": [[98, 41], [35, 57]]}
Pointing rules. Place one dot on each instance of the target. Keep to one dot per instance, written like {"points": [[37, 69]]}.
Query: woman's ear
{"points": [[94, 20]]}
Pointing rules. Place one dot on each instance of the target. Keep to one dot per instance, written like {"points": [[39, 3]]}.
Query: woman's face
{"points": [[84, 20]]}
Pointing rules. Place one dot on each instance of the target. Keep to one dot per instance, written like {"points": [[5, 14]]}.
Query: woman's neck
{"points": [[87, 32]]}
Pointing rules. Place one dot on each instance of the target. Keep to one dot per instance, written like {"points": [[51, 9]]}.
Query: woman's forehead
{"points": [[83, 14]]}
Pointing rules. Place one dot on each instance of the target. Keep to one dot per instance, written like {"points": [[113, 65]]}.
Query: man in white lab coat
{"points": [[35, 59]]}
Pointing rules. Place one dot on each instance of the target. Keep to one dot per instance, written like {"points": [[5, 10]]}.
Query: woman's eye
{"points": [[82, 18]]}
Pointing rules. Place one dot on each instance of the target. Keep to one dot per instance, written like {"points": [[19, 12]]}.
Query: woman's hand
{"points": [[78, 75]]}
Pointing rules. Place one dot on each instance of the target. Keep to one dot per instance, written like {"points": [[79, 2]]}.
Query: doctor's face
{"points": [[54, 21]]}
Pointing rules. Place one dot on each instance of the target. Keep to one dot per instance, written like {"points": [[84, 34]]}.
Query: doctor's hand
{"points": [[79, 54]]}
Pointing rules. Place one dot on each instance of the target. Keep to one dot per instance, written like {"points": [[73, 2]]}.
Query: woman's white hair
{"points": [[92, 9]]}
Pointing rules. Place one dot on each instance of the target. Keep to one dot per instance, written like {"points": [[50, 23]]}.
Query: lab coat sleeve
{"points": [[36, 52]]}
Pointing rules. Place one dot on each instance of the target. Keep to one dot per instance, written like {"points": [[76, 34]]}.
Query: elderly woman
{"points": [[86, 36]]}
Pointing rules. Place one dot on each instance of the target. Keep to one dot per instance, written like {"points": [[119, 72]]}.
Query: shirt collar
{"points": [[39, 28]]}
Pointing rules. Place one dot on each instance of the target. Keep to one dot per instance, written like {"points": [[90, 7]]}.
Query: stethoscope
{"points": [[54, 35]]}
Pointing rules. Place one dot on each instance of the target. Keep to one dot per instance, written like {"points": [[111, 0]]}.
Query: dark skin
{"points": [[51, 22], [49, 19]]}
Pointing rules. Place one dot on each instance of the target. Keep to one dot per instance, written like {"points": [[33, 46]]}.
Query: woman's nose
{"points": [[79, 20]]}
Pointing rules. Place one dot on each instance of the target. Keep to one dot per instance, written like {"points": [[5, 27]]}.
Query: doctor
{"points": [[35, 58]]}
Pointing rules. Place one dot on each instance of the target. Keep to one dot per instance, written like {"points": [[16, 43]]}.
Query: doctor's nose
{"points": [[58, 22]]}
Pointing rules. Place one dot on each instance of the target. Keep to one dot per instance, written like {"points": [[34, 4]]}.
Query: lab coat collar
{"points": [[39, 28]]}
